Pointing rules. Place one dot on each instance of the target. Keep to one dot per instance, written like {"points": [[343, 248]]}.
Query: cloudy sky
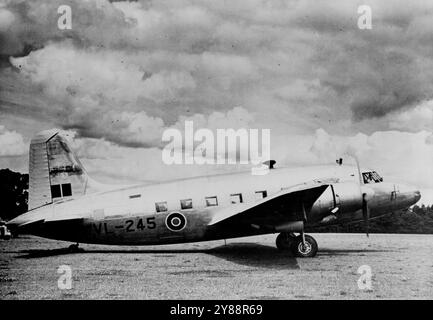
{"points": [[127, 71]]}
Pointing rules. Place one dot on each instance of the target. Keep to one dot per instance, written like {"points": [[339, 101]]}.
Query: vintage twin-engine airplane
{"points": [[65, 204]]}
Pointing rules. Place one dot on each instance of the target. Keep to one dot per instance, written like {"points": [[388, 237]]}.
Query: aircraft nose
{"points": [[409, 195]]}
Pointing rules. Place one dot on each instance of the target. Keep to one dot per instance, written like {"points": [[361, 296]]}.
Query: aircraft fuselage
{"points": [[182, 210]]}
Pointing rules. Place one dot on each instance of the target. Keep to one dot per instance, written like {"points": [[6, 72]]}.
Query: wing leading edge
{"points": [[290, 204]]}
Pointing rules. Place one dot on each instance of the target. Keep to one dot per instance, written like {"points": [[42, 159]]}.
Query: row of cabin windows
{"points": [[61, 190], [210, 201]]}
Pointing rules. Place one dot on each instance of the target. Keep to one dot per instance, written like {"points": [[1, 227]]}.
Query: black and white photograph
{"points": [[215, 150]]}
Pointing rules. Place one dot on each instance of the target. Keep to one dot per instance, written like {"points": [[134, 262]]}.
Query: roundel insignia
{"points": [[175, 221]]}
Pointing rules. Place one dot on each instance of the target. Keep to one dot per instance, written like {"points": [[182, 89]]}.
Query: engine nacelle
{"points": [[335, 200]]}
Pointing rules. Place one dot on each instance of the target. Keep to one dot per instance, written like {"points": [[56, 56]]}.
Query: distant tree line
{"points": [[419, 219], [13, 193]]}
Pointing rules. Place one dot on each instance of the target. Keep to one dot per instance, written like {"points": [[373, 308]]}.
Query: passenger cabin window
{"points": [[371, 177], [186, 204], [211, 201], [161, 206], [236, 198], [261, 194]]}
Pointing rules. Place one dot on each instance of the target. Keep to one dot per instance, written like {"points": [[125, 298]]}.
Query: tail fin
{"points": [[55, 173]]}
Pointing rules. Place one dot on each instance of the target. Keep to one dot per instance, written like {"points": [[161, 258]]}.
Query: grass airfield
{"points": [[244, 268]]}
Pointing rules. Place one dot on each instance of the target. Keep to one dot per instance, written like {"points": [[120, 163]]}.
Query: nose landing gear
{"points": [[303, 246]]}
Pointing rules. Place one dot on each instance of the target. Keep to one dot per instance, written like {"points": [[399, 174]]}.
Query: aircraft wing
{"points": [[290, 204]]}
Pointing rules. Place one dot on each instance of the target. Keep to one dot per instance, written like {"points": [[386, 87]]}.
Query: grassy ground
{"points": [[246, 268]]}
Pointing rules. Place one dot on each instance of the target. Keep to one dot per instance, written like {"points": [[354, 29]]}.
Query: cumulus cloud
{"points": [[169, 58], [418, 118], [35, 24], [11, 143], [6, 19], [401, 157], [129, 70]]}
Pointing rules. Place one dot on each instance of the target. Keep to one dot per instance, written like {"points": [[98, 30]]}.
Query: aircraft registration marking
{"points": [[130, 225]]}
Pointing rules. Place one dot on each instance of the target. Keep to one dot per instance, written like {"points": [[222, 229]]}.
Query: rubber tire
{"points": [[284, 241], [297, 245]]}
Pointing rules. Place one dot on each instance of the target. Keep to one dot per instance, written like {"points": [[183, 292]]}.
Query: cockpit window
{"points": [[371, 177]]}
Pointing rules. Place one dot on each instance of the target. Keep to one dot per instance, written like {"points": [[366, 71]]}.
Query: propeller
{"points": [[366, 213]]}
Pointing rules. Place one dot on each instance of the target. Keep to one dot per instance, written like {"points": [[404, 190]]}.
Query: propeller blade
{"points": [[366, 213]]}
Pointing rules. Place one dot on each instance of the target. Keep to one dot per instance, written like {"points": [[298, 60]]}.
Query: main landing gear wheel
{"points": [[284, 241], [304, 249]]}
